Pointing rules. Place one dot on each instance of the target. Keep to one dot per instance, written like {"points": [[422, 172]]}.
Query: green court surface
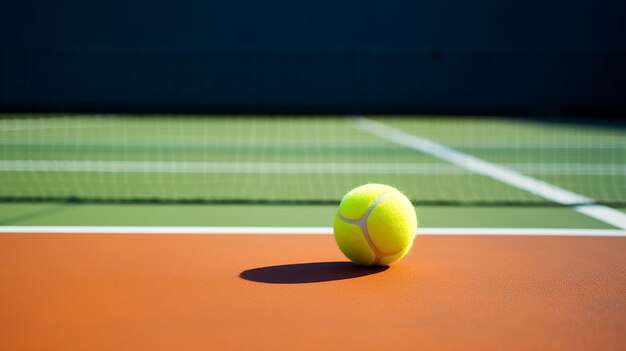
{"points": [[293, 170], [304, 159], [280, 216]]}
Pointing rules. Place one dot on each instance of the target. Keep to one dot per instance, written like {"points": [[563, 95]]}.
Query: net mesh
{"points": [[131, 158]]}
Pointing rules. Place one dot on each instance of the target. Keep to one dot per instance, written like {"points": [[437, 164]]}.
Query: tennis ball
{"points": [[375, 225]]}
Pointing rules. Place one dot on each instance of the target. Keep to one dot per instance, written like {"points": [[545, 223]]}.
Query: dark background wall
{"points": [[335, 56]]}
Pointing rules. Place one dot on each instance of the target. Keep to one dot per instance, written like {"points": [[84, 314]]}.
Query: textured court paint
{"points": [[104, 292]]}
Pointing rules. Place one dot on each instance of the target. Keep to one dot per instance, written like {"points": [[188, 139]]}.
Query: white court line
{"points": [[228, 167], [300, 231], [295, 167], [574, 142], [43, 123], [535, 186]]}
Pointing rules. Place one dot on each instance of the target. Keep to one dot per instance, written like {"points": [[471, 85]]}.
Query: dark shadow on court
{"points": [[313, 272]]}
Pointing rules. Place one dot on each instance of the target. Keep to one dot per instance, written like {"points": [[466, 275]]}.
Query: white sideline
{"points": [[299, 230], [535, 186]]}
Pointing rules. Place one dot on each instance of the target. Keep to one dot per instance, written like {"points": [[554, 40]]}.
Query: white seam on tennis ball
{"points": [[362, 224]]}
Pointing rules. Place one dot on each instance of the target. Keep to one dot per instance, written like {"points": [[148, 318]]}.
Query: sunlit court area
{"points": [[312, 176]]}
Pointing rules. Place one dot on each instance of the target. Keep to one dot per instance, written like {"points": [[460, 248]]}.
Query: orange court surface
{"points": [[294, 292], [208, 175]]}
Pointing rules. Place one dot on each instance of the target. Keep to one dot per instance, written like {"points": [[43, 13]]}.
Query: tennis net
{"points": [[297, 159]]}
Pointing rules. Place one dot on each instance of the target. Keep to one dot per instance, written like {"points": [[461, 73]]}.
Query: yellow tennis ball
{"points": [[375, 225]]}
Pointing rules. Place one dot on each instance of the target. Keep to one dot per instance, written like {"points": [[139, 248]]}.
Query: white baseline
{"points": [[299, 231]]}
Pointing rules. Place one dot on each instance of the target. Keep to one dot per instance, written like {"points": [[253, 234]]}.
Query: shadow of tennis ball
{"points": [[314, 272]]}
